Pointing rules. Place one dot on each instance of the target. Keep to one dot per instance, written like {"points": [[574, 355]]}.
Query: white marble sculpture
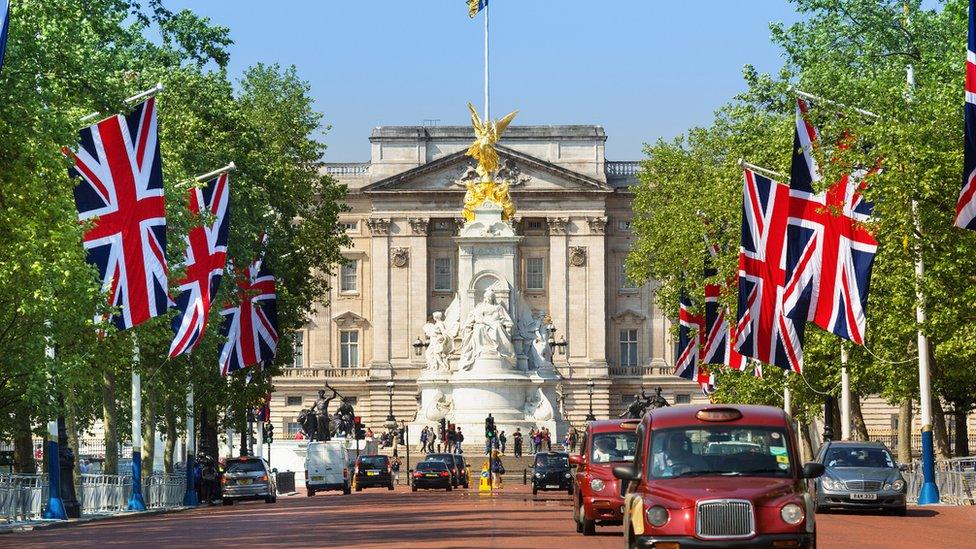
{"points": [[487, 333], [537, 406], [439, 406], [440, 344]]}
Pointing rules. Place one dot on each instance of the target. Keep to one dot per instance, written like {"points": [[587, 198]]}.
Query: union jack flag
{"points": [[829, 251], [121, 189], [251, 326], [690, 329], [966, 205], [205, 257], [717, 345], [763, 331]]}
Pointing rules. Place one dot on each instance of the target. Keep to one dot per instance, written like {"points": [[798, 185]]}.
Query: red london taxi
{"points": [[717, 475], [598, 500]]}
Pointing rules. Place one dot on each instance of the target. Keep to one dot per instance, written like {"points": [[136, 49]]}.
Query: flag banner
{"points": [[475, 6], [717, 341], [205, 259], [251, 326], [4, 27], [688, 349], [763, 331], [830, 252], [120, 189], [966, 205]]}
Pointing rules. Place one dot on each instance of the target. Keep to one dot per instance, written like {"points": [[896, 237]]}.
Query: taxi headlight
{"points": [[898, 485], [597, 485], [568, 475], [792, 514], [657, 516], [538, 475]]}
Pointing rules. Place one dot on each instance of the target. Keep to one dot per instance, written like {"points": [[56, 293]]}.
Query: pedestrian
{"points": [[573, 440], [299, 435], [448, 440], [458, 439], [198, 478], [423, 440], [517, 442], [395, 468], [431, 441], [497, 470], [369, 433], [536, 441], [547, 437], [502, 439], [209, 483]]}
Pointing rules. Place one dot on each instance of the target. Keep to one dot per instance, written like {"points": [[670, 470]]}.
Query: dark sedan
{"points": [[452, 466], [373, 471], [859, 475], [431, 475], [551, 472]]}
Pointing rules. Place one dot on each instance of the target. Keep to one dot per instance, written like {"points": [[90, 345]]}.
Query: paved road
{"points": [[511, 518]]}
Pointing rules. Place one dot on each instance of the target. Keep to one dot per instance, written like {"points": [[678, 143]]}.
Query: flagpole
{"points": [[130, 100], [487, 104], [845, 395], [136, 501]]}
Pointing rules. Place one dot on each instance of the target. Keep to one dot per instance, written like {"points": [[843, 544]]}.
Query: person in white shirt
{"points": [[605, 450]]}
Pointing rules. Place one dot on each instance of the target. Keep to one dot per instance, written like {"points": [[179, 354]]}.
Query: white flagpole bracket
{"points": [[130, 100], [818, 99], [782, 177]]}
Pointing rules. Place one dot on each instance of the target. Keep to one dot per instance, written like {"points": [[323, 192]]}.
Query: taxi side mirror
{"points": [[625, 473], [813, 470], [575, 459]]}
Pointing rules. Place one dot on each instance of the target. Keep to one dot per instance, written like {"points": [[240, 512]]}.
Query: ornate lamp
{"points": [[390, 419], [589, 388], [419, 346]]}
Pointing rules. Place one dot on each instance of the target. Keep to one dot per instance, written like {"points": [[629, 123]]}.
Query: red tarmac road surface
{"points": [[462, 518]]}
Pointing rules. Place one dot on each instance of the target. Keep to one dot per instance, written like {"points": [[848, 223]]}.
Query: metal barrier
{"points": [[955, 478], [22, 497], [164, 491], [101, 494]]}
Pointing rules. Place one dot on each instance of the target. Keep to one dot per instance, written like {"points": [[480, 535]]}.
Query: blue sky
{"points": [[643, 69]]}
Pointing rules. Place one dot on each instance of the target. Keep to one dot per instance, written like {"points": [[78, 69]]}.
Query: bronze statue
{"points": [[344, 420], [637, 408], [658, 401], [321, 410]]}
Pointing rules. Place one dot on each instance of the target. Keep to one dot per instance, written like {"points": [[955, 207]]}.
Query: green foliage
{"points": [[854, 52]]}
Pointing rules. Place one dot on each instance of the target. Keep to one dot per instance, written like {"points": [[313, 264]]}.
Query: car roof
{"points": [[430, 462], [685, 415], [857, 443], [612, 425], [564, 454]]}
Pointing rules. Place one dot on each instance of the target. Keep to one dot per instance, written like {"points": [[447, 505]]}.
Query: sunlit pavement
{"points": [[511, 517]]}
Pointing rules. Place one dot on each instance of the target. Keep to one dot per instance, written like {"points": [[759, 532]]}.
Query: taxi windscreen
{"points": [[719, 450]]}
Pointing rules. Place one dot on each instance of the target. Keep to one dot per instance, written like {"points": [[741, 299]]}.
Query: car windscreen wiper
{"points": [[704, 473], [762, 471]]}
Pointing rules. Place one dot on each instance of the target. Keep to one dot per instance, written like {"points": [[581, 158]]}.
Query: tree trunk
{"points": [[905, 431], [859, 430], [962, 431], [148, 433], [23, 444], [836, 419], [110, 423], [806, 445], [170, 416], [939, 432]]}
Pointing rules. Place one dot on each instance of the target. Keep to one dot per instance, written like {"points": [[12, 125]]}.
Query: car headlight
{"points": [[832, 484], [898, 485], [538, 475], [567, 475], [792, 514], [597, 485], [657, 516]]}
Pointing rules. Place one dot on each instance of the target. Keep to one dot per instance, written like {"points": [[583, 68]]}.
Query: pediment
{"points": [[350, 319], [629, 315], [529, 174]]}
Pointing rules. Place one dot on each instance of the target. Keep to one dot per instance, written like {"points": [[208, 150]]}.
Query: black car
{"points": [[373, 471], [462, 470], [452, 467], [431, 475], [551, 472]]}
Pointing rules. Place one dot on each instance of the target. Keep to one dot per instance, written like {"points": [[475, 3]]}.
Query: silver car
{"points": [[248, 477], [859, 475]]}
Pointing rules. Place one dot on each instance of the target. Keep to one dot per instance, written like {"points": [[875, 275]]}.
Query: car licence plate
{"points": [[432, 476], [318, 477], [869, 497], [371, 473], [552, 486], [244, 481]]}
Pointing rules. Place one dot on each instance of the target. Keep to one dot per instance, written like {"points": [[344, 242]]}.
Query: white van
{"points": [[327, 467]]}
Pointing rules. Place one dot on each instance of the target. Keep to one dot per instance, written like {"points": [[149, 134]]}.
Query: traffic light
{"points": [[360, 430], [268, 432], [489, 427]]}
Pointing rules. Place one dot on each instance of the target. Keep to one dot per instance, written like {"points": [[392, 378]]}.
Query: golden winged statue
{"points": [[487, 133]]}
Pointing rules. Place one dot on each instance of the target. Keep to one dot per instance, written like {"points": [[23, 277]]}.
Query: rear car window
{"points": [[375, 462], [250, 466], [431, 466]]}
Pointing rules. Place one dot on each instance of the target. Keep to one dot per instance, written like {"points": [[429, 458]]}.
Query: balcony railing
{"points": [[640, 371], [625, 167], [324, 373], [347, 168]]}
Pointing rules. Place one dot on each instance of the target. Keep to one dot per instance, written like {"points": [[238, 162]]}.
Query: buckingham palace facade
{"points": [[573, 214]]}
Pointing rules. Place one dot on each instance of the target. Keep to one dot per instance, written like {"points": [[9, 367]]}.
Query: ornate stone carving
{"points": [[418, 225], [577, 256], [458, 225], [598, 225], [512, 173], [378, 226], [399, 257], [557, 225]]}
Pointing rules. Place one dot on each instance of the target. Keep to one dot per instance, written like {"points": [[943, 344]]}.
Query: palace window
{"points": [[628, 348], [443, 275], [292, 428], [535, 225], [443, 225], [625, 282], [294, 401], [349, 348], [298, 345], [349, 277], [683, 398], [535, 273], [623, 225], [348, 226]]}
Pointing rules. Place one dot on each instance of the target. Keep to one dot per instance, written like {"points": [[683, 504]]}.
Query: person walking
{"points": [[458, 439], [395, 468], [536, 441], [424, 435], [573, 440], [547, 437], [517, 442], [432, 440], [497, 470], [502, 439]]}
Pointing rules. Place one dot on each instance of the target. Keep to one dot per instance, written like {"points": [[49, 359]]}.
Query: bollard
{"points": [[525, 477]]}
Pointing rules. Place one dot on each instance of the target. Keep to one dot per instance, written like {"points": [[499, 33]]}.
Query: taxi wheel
{"points": [[631, 539], [534, 490], [579, 527], [228, 501], [570, 490], [390, 486], [586, 527], [449, 488], [346, 491], [359, 488], [309, 492], [413, 488]]}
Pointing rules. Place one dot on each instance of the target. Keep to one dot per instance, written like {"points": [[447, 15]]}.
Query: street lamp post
{"points": [[589, 388], [419, 346], [553, 344], [390, 419]]}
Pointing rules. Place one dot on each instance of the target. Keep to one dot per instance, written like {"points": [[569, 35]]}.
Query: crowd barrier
{"points": [[22, 497], [164, 491], [102, 494], [955, 478]]}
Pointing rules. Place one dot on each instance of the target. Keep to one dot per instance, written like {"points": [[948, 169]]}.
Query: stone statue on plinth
{"points": [[440, 345], [487, 333]]}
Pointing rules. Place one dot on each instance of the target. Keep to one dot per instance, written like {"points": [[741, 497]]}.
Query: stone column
{"points": [[379, 228], [597, 301], [558, 271], [419, 282]]}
